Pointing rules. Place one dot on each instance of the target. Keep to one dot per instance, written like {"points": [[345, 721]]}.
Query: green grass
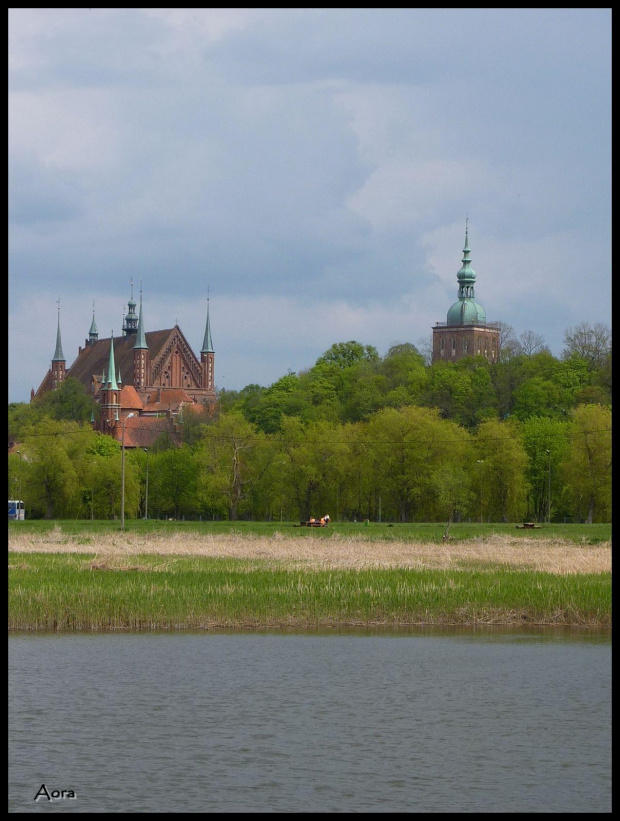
{"points": [[426, 532], [78, 592]]}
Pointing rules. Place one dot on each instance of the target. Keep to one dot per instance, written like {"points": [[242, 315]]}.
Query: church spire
{"points": [[466, 276], [93, 334], [130, 322], [58, 354], [140, 337], [112, 367], [207, 344]]}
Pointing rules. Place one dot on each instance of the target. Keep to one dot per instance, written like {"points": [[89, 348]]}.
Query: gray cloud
{"points": [[307, 154]]}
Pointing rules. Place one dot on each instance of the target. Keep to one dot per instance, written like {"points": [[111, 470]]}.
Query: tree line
{"points": [[358, 436]]}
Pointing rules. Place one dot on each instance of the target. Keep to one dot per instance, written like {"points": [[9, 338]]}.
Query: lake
{"points": [[427, 720]]}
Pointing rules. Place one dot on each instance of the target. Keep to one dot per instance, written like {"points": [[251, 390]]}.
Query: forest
{"points": [[358, 436]]}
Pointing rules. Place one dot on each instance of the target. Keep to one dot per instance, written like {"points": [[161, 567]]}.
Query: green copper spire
{"points": [[111, 367], [207, 344], [58, 354], [93, 334], [466, 276], [140, 337], [130, 322], [466, 311]]}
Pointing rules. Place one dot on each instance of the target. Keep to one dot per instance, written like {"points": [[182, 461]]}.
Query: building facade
{"points": [[466, 331], [140, 380]]}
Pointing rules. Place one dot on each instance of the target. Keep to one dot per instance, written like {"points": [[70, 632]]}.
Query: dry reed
{"points": [[338, 552]]}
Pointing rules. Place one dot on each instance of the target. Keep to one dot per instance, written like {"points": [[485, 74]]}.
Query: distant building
{"points": [[466, 332], [162, 376]]}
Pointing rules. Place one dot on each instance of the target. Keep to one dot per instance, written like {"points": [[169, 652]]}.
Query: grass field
{"points": [[178, 576], [419, 532]]}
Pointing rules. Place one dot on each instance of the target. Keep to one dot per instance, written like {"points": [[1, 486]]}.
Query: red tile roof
{"points": [[143, 431]]}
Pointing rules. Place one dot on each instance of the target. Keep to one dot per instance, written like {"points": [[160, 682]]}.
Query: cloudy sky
{"points": [[309, 169]]}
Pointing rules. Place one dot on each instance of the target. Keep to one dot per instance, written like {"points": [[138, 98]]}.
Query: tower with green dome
{"points": [[466, 332]]}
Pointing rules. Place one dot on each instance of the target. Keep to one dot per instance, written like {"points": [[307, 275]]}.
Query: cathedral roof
{"points": [[93, 359], [143, 431], [129, 399], [164, 398]]}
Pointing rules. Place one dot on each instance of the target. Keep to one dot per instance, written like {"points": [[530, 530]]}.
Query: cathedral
{"points": [[467, 332], [141, 380]]}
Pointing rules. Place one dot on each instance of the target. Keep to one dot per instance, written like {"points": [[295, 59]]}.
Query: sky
{"points": [[307, 173]]}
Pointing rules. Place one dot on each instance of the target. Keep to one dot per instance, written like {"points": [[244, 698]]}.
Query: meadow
{"points": [[69, 576]]}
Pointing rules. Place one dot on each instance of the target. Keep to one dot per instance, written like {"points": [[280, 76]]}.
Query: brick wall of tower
{"points": [[141, 368], [453, 342], [207, 361]]}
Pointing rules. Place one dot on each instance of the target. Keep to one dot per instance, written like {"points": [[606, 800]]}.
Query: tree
{"points": [[315, 459], [53, 477], [228, 467], [531, 343], [450, 483], [590, 342], [503, 463], [587, 468], [173, 481], [345, 354], [70, 401], [509, 345], [404, 447], [546, 444]]}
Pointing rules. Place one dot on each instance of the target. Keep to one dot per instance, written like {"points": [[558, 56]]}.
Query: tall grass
{"points": [[68, 592]]}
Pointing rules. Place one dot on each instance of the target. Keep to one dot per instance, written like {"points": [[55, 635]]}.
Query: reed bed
{"points": [[131, 582], [354, 552]]}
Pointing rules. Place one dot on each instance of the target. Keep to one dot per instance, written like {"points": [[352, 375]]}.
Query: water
{"points": [[432, 721]]}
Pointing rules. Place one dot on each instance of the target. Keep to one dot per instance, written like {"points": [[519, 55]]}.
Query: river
{"points": [[428, 720]]}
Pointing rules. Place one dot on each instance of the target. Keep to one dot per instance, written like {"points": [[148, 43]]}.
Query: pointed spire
{"points": [[58, 354], [466, 276], [207, 344], [93, 334], [130, 322], [111, 367], [140, 336]]}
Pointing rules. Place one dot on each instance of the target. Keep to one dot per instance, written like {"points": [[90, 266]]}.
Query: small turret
{"points": [[93, 334], [130, 322]]}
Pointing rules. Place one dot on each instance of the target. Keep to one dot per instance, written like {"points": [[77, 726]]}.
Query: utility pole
{"points": [[123, 470]]}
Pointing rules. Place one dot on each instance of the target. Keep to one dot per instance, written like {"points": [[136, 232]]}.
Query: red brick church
{"points": [[141, 380]]}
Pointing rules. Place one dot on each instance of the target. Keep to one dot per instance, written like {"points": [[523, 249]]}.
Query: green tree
{"points": [[451, 485], [53, 487], [70, 401], [503, 463], [173, 481], [404, 447], [587, 468], [545, 443], [315, 459], [345, 354], [228, 465]]}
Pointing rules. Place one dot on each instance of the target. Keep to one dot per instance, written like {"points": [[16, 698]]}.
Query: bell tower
{"points": [[466, 332]]}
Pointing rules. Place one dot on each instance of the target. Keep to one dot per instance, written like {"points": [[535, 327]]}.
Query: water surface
{"points": [[419, 721]]}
